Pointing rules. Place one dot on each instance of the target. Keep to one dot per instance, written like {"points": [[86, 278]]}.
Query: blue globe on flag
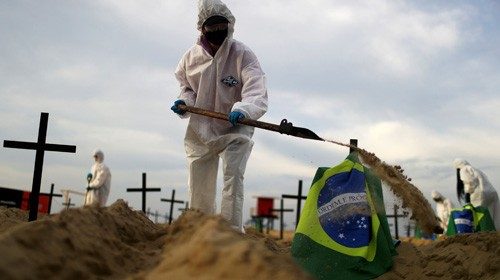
{"points": [[343, 209]]}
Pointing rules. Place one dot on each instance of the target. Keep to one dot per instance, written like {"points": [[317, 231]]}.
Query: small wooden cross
{"points": [[281, 210], [396, 216], [144, 190], [68, 204], [172, 201], [50, 195], [299, 199]]}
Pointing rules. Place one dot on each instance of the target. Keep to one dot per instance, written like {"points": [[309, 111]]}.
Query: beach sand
{"points": [[117, 242]]}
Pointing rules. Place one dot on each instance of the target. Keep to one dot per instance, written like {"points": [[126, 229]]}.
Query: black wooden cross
{"points": [[50, 195], [186, 207], [144, 190], [396, 216], [281, 210], [40, 146], [353, 142], [172, 201], [68, 204], [408, 229], [299, 198]]}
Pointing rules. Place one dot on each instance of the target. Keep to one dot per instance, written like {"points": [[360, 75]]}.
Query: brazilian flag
{"points": [[343, 231], [469, 219]]}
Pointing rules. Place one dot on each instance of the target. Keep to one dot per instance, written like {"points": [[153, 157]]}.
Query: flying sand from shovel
{"points": [[399, 184]]}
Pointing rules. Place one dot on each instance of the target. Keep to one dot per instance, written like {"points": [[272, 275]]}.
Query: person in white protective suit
{"points": [[219, 74], [100, 181], [443, 209], [474, 182]]}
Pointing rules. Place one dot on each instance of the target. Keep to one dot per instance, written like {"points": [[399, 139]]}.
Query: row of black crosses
{"points": [[41, 146], [145, 190], [167, 216]]}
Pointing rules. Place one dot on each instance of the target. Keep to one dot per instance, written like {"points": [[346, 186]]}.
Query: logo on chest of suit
{"points": [[230, 81]]}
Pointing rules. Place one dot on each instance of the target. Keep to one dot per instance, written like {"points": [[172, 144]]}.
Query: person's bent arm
{"points": [[99, 179], [187, 94], [253, 102]]}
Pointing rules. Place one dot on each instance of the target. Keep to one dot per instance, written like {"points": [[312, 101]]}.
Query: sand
{"points": [[400, 185], [119, 243], [9, 217], [81, 243], [468, 256], [410, 195], [202, 247]]}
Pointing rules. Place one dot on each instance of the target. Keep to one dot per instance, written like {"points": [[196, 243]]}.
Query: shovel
{"points": [[284, 127], [89, 178]]}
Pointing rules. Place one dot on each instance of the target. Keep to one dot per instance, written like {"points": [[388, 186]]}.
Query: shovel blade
{"points": [[305, 133]]}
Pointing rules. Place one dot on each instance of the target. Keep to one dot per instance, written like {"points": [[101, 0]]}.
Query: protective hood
{"points": [[100, 155], [460, 163], [436, 195], [210, 8]]}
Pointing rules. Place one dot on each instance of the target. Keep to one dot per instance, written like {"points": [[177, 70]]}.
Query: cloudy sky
{"points": [[416, 82]]}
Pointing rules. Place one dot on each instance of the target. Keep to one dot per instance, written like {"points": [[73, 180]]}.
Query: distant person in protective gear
{"points": [[99, 181], [443, 208], [219, 74], [474, 182]]}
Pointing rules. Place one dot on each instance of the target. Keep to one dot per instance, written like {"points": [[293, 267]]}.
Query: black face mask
{"points": [[216, 37]]}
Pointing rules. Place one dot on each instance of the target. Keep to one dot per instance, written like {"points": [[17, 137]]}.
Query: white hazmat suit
{"points": [[231, 80], [100, 183], [480, 189], [443, 209]]}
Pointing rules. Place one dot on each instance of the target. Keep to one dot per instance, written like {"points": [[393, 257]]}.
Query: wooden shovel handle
{"points": [[221, 116]]}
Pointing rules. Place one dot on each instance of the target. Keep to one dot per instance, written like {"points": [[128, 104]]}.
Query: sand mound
{"points": [[468, 256], [205, 247], [118, 243], [81, 243], [9, 217]]}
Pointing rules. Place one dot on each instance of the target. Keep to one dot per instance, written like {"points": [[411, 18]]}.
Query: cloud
{"points": [[266, 162], [394, 39]]}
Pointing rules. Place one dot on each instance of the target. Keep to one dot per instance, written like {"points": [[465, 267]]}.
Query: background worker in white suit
{"points": [[219, 74], [443, 208], [474, 182], [100, 181]]}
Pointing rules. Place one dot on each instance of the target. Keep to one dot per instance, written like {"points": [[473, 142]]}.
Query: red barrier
{"points": [[265, 206]]}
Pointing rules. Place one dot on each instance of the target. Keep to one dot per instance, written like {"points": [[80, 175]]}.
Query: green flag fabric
{"points": [[419, 234], [343, 231], [469, 219]]}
